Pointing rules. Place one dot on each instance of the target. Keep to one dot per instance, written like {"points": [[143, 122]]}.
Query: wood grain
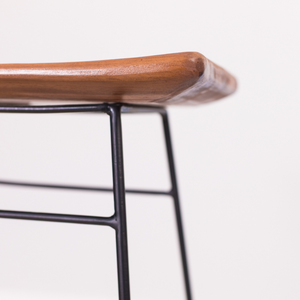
{"points": [[181, 78]]}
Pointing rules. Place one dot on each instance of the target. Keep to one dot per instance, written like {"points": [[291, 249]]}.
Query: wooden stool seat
{"points": [[181, 78]]}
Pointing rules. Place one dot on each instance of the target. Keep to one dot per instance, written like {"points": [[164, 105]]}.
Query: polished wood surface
{"points": [[180, 78]]}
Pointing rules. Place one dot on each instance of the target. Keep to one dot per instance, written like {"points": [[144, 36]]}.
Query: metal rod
{"points": [[37, 216], [81, 188], [98, 107], [176, 205], [55, 108], [119, 202]]}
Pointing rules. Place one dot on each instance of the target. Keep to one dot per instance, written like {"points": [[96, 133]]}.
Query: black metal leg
{"points": [[118, 220], [119, 201], [174, 193]]}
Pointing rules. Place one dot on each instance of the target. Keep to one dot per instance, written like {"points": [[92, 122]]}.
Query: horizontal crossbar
{"points": [[102, 107], [81, 188], [37, 216]]}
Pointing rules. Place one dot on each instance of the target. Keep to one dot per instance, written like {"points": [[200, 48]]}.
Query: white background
{"points": [[237, 159]]}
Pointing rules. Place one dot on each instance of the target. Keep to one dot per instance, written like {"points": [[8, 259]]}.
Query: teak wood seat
{"points": [[114, 87], [181, 78]]}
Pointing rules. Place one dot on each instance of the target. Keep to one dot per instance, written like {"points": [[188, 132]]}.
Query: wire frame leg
{"points": [[174, 192], [119, 201]]}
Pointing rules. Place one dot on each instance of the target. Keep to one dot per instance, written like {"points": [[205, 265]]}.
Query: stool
{"points": [[135, 85]]}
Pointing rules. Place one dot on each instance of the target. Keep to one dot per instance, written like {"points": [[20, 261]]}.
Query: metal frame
{"points": [[118, 220]]}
